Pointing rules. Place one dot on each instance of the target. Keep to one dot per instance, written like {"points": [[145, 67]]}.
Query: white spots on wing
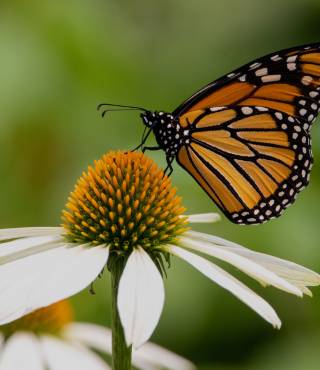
{"points": [[276, 58], [216, 109], [243, 78], [279, 115], [313, 94], [314, 106], [271, 78], [247, 110], [292, 58], [311, 117], [261, 72], [252, 220], [255, 65], [306, 80], [302, 111], [262, 109], [291, 66]]}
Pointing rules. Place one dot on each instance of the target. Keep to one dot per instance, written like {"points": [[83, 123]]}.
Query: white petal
{"points": [[203, 218], [61, 355], [244, 264], [22, 232], [287, 269], [213, 239], [149, 356], [140, 297], [297, 275], [230, 283], [92, 335], [21, 352], [42, 279], [16, 249]]}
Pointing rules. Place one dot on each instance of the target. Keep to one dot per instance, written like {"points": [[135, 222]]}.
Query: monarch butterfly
{"points": [[245, 137]]}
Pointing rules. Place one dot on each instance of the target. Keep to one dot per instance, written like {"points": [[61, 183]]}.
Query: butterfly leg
{"points": [[144, 139], [150, 148], [169, 169]]}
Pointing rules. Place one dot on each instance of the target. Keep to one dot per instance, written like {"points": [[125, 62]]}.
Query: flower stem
{"points": [[121, 354]]}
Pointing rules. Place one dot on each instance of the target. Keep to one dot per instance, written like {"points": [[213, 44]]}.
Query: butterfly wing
{"points": [[250, 144], [287, 81], [252, 161]]}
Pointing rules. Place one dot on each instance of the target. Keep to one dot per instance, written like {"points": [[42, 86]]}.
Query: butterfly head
{"points": [[155, 119], [169, 135]]}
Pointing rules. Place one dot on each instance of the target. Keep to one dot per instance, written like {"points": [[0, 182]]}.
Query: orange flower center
{"points": [[124, 200]]}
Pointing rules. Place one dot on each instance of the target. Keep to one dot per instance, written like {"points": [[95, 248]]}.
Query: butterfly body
{"points": [[245, 138], [169, 134]]}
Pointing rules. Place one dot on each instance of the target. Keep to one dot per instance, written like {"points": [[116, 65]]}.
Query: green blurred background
{"points": [[59, 59]]}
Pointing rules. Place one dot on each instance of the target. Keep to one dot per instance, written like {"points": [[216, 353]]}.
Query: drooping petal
{"points": [[297, 275], [230, 283], [148, 357], [151, 356], [213, 239], [44, 278], [21, 352], [243, 263], [203, 218], [92, 335], [61, 355], [21, 232], [16, 249], [140, 297]]}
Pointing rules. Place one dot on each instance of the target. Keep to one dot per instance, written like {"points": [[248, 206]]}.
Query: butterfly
{"points": [[245, 138]]}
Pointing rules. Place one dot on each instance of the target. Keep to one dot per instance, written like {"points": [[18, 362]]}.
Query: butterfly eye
{"points": [[146, 120]]}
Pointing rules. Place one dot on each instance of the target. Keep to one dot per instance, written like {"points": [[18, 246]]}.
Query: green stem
{"points": [[121, 354]]}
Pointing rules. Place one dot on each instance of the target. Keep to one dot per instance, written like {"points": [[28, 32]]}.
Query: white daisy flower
{"points": [[123, 213], [49, 339]]}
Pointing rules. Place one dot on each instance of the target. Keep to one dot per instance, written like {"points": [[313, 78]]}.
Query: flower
{"points": [[49, 339], [124, 208]]}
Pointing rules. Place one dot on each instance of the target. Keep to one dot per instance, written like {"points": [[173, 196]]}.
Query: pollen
{"points": [[48, 320], [124, 200]]}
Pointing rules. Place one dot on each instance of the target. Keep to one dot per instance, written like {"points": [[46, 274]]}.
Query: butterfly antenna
{"points": [[132, 107], [115, 110]]}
